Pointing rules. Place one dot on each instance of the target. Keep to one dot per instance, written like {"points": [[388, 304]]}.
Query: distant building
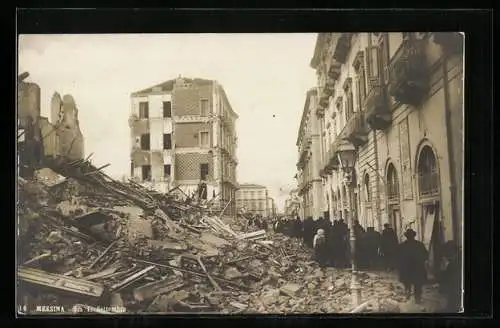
{"points": [[271, 207], [293, 204], [183, 135], [252, 198], [310, 186]]}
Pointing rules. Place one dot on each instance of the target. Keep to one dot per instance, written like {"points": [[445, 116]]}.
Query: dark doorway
{"points": [[146, 172], [432, 235]]}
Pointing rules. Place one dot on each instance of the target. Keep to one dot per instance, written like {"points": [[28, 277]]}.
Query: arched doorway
{"points": [[393, 207], [429, 201]]}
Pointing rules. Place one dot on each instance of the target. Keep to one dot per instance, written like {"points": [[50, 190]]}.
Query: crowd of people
{"points": [[376, 251]]}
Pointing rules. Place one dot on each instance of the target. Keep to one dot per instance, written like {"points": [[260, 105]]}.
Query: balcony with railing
{"points": [[377, 111], [303, 151], [334, 71], [356, 129], [342, 47], [407, 73], [331, 160]]}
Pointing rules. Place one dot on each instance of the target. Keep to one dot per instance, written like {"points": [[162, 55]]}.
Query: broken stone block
{"points": [[68, 208], [139, 228], [270, 297], [291, 289], [167, 245], [213, 240], [232, 273], [238, 305]]}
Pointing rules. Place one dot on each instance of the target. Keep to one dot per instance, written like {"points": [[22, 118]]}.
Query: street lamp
{"points": [[347, 159]]}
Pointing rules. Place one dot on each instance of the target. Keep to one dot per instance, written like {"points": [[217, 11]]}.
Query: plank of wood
{"points": [[153, 289], [131, 279], [60, 282]]}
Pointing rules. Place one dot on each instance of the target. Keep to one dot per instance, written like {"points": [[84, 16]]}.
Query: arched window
{"points": [[428, 177], [366, 182], [392, 184]]}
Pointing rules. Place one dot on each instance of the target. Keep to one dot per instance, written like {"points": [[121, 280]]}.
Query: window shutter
{"points": [[373, 65]]}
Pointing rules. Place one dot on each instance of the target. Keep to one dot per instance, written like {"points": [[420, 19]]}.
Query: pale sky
{"points": [[265, 76]]}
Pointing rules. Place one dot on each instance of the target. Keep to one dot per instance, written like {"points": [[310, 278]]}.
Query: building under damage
{"points": [[38, 138], [183, 135]]}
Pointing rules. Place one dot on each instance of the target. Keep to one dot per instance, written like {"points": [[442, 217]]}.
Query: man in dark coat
{"points": [[371, 247], [343, 251], [360, 253], [388, 246], [333, 243], [412, 265]]}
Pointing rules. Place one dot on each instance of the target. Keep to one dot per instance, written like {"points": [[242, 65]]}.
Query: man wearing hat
{"points": [[411, 265]]}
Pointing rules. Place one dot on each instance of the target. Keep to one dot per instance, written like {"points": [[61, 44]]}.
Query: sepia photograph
{"points": [[266, 173]]}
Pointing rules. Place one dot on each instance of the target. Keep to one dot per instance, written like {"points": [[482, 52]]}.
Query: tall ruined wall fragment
{"points": [[64, 115]]}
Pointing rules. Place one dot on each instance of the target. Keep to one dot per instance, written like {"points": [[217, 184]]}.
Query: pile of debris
{"points": [[85, 238], [97, 245]]}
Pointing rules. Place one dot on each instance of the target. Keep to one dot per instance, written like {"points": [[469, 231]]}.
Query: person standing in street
{"points": [[412, 261], [319, 246], [388, 246], [371, 247]]}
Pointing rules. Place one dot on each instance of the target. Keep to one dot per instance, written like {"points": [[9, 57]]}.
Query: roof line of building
{"points": [[223, 92], [304, 113]]}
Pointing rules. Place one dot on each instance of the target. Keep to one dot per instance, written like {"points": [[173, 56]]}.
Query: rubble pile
{"points": [[88, 239], [91, 242]]}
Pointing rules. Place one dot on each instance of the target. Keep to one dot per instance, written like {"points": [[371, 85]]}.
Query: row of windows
{"points": [[252, 194], [204, 141], [428, 179], [368, 73], [167, 108], [146, 171]]}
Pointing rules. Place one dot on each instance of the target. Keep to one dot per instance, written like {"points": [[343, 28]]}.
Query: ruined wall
{"points": [[187, 135], [186, 97], [70, 141], [188, 166], [28, 98]]}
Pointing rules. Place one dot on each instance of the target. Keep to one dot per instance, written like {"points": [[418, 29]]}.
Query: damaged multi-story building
{"points": [[39, 139], [183, 135], [390, 114]]}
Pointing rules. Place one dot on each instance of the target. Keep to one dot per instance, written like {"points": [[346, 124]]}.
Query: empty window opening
{"points": [[167, 109], [203, 171], [146, 172], [145, 144], [167, 170], [144, 110], [204, 107], [167, 141]]}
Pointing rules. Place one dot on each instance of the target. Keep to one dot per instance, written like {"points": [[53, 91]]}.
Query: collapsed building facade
{"points": [[390, 124], [183, 135], [38, 138]]}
